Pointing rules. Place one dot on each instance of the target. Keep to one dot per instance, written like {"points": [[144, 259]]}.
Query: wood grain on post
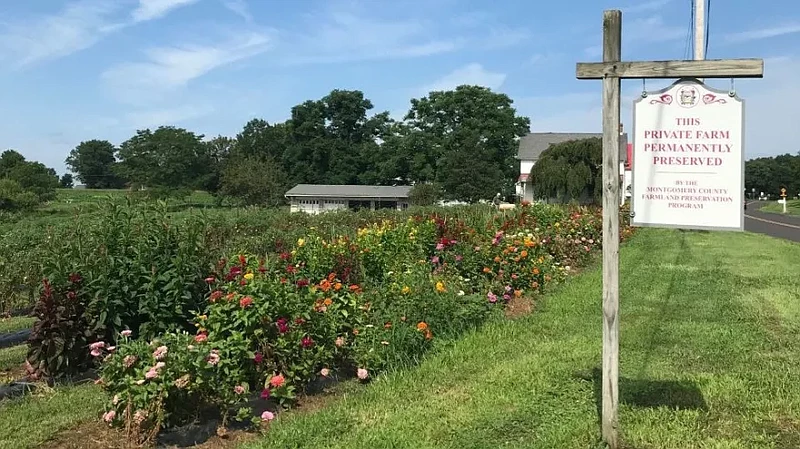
{"points": [[612, 49], [711, 68]]}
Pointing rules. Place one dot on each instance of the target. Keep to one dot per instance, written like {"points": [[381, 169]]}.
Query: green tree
{"points": [[33, 177], [66, 181], [93, 162], [259, 138], [13, 197], [570, 171], [8, 160], [254, 181], [465, 139], [218, 151], [425, 194], [169, 158]]}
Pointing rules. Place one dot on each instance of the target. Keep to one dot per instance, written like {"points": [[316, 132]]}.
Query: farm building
{"points": [[532, 145], [316, 198]]}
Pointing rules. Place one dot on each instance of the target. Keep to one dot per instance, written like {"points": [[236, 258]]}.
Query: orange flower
{"points": [[535, 270], [354, 288], [325, 285], [355, 331], [487, 270], [517, 293], [387, 325], [497, 258], [331, 277], [428, 334], [523, 254], [328, 301], [337, 286], [421, 326]]}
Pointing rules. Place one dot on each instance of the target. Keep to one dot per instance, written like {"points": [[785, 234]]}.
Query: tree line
{"points": [[463, 141], [770, 174]]}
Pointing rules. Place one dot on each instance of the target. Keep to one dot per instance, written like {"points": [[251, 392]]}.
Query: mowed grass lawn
{"points": [[710, 358], [792, 207]]}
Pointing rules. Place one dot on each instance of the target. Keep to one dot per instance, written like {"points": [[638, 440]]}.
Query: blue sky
{"points": [[74, 70]]}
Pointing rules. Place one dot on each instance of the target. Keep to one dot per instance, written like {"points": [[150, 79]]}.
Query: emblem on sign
{"points": [[687, 96]]}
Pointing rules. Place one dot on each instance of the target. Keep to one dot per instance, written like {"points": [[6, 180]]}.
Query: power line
{"points": [[689, 32]]}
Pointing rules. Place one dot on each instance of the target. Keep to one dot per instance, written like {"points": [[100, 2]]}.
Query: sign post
{"points": [[783, 198], [611, 71]]}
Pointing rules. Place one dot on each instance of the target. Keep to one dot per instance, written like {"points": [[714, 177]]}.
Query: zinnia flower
{"points": [[151, 374], [109, 416], [201, 337], [267, 416], [324, 372], [492, 297], [96, 353], [277, 380], [339, 342], [128, 361], [246, 301], [265, 394], [160, 352], [362, 373], [97, 345], [258, 358], [126, 333], [307, 342], [283, 326], [439, 247], [249, 276], [210, 280], [238, 389], [115, 401], [182, 382], [213, 357]]}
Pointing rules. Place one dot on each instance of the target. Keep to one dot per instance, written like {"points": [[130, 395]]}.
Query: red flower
{"points": [[307, 342], [246, 301], [265, 394], [243, 282], [75, 278], [285, 256], [283, 280], [302, 283], [215, 295], [283, 326], [242, 260], [258, 359], [291, 269]]}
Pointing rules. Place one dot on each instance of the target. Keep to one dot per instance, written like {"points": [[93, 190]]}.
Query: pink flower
{"points": [[508, 288], [96, 353], [277, 380], [201, 337], [160, 352], [238, 389], [128, 361], [362, 373], [307, 342], [111, 348], [507, 297], [210, 280], [339, 342], [151, 374], [109, 416], [265, 394], [439, 247], [459, 258], [258, 358], [213, 357], [325, 372], [160, 365], [126, 333], [492, 297], [435, 260], [267, 416], [97, 345]]}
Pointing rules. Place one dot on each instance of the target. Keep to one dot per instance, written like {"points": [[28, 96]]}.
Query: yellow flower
{"points": [[406, 290], [202, 317], [440, 287], [249, 276], [301, 242]]}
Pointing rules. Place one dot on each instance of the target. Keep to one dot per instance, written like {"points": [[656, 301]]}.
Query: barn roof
{"points": [[348, 191], [532, 145]]}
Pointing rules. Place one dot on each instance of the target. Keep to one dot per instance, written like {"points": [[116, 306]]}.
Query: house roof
{"points": [[532, 145], [348, 191]]}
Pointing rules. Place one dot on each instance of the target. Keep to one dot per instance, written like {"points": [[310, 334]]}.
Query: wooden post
{"points": [[612, 49]]}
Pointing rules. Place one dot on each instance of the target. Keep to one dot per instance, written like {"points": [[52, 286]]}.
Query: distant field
{"points": [[792, 207]]}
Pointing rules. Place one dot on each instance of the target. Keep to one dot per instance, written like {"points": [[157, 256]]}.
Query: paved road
{"points": [[776, 225]]}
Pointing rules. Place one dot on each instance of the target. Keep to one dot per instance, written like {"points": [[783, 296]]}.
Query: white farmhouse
{"points": [[532, 145], [316, 198]]}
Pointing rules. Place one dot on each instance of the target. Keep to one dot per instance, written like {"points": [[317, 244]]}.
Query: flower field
{"points": [[239, 315]]}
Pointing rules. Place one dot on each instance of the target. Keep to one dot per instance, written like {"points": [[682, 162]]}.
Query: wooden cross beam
{"points": [[611, 71]]}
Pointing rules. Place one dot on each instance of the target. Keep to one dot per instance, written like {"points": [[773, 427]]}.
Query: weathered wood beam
{"points": [[612, 53], [710, 68]]}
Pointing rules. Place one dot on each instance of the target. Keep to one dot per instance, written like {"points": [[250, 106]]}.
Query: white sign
{"points": [[688, 158]]}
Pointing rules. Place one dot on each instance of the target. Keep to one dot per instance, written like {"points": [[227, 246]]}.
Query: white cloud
{"points": [[240, 8], [76, 27], [764, 33], [472, 74], [155, 9], [170, 116], [170, 68], [646, 6], [652, 29]]}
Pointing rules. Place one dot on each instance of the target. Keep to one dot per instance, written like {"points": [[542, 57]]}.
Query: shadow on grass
{"points": [[646, 393]]}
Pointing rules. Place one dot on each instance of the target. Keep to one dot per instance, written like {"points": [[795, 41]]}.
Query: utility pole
{"points": [[699, 30]]}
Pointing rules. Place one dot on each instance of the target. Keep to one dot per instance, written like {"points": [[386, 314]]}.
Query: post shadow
{"points": [[648, 393]]}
